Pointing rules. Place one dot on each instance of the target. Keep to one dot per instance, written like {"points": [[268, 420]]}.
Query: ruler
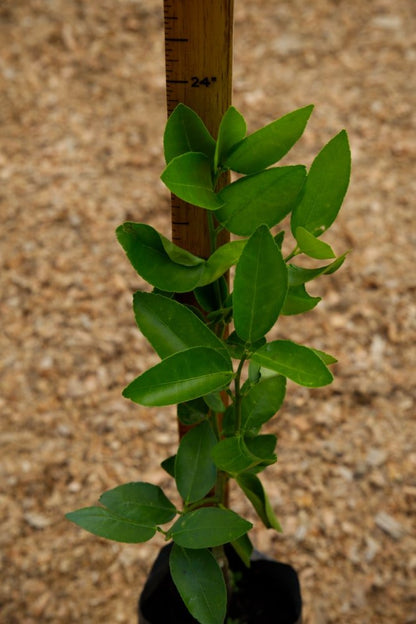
{"points": [[198, 55]]}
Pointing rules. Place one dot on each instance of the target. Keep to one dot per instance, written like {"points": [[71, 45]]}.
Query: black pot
{"points": [[269, 593]]}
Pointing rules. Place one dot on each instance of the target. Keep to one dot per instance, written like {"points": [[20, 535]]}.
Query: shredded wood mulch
{"points": [[82, 110]]}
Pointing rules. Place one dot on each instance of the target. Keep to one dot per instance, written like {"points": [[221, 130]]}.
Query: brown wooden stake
{"points": [[198, 50]]}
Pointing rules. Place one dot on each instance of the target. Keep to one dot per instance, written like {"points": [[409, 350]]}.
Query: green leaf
{"points": [[139, 501], [220, 261], [181, 377], [231, 131], [238, 348], [234, 456], [106, 523], [208, 527], [254, 372], [269, 144], [228, 424], [266, 373], [200, 583], [244, 548], [186, 132], [189, 177], [163, 293], [264, 198], [278, 238], [195, 472], [215, 402], [168, 465], [168, 267], [262, 447], [179, 255], [260, 286], [294, 361], [325, 357], [298, 301], [325, 187], [253, 489], [298, 275], [192, 412], [146, 251], [171, 327], [312, 246], [207, 296], [262, 402]]}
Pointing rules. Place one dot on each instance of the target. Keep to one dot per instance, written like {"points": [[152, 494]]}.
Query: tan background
{"points": [[82, 106]]}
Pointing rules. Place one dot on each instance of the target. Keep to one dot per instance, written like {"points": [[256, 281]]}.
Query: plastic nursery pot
{"points": [[268, 593]]}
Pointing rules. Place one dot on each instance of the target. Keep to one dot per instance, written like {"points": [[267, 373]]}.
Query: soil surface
{"points": [[82, 109]]}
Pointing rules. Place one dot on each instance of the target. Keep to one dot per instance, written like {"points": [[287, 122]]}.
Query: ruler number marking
{"points": [[206, 82]]}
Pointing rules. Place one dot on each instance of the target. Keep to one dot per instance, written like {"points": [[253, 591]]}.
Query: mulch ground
{"points": [[82, 109]]}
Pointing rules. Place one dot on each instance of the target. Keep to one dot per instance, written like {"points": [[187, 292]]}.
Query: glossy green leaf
{"points": [[298, 301], [186, 132], [106, 523], [253, 372], [170, 326], [200, 583], [168, 465], [262, 402], [181, 377], [179, 255], [168, 267], [312, 246], [264, 198], [220, 261], [139, 501], [215, 402], [299, 275], [231, 131], [279, 237], [228, 424], [189, 177], [294, 361], [192, 412], [262, 446], [163, 293], [260, 286], [235, 455], [325, 357], [231, 455], [146, 251], [266, 373], [269, 144], [212, 296], [253, 489], [325, 187], [195, 471], [208, 527], [244, 549], [238, 348]]}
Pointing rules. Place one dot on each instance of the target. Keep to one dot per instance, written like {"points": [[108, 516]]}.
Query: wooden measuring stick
{"points": [[198, 54], [198, 50]]}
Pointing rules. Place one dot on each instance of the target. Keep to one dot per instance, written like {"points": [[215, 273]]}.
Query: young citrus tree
{"points": [[226, 386]]}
